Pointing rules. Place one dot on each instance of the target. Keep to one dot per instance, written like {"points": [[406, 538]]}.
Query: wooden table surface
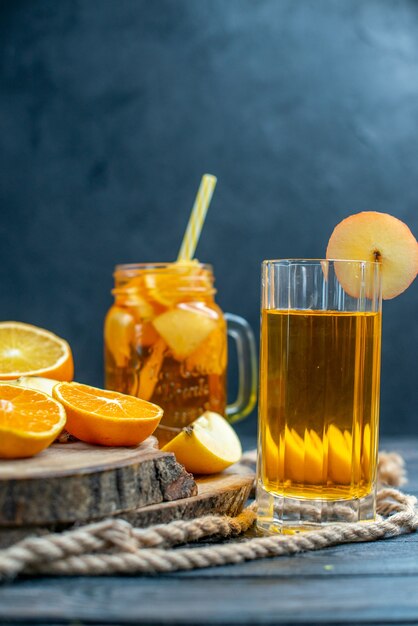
{"points": [[375, 583]]}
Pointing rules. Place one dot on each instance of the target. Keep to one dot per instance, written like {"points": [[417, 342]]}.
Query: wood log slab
{"points": [[77, 482], [221, 494]]}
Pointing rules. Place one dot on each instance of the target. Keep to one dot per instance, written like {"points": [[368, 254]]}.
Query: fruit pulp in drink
{"points": [[319, 403], [165, 341]]}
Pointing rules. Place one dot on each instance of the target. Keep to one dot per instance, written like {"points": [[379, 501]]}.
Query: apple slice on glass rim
{"points": [[372, 236]]}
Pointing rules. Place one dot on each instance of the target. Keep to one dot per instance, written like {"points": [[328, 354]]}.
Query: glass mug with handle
{"points": [[319, 393], [166, 342]]}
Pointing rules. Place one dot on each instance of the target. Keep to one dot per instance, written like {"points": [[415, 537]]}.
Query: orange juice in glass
{"points": [[166, 341], [319, 393]]}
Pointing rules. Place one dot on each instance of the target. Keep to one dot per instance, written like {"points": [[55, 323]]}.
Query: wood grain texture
{"points": [[224, 494], [129, 600], [77, 482], [374, 583]]}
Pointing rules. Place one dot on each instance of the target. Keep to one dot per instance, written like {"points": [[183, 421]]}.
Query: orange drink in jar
{"points": [[166, 342]]}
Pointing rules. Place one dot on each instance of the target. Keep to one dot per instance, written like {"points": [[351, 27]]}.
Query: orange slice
{"points": [[29, 421], [304, 457], [150, 371], [123, 334], [145, 335], [107, 418], [272, 465], [294, 460], [119, 330], [27, 350], [210, 357], [340, 456], [168, 285], [131, 296], [367, 450], [314, 458]]}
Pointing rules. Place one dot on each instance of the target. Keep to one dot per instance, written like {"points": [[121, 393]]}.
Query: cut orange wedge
{"points": [[107, 418], [29, 421], [27, 350]]}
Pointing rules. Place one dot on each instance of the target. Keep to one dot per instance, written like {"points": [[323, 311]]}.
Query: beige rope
{"points": [[114, 546], [391, 469]]}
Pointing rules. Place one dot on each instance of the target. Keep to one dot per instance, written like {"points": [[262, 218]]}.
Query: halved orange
{"points": [[29, 421], [27, 350], [107, 418]]}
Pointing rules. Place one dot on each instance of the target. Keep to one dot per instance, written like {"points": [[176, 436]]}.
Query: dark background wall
{"points": [[110, 111]]}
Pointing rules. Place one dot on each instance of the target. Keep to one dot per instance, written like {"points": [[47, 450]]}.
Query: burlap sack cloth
{"points": [[113, 546]]}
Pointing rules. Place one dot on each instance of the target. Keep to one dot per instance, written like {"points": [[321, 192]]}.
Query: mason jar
{"points": [[166, 341]]}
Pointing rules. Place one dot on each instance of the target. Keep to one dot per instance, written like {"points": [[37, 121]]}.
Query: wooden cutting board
{"points": [[75, 482], [78, 483]]}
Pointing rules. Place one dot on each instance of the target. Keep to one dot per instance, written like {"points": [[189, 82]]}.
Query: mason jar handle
{"points": [[239, 329]]}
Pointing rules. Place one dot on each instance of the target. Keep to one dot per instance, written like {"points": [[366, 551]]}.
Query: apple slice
{"points": [[209, 445], [373, 236], [184, 330]]}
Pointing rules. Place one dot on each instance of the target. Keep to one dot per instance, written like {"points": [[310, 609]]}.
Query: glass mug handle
{"points": [[239, 330]]}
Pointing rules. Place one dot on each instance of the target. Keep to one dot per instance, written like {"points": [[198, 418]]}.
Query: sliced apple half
{"points": [[184, 330], [209, 445], [373, 236]]}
